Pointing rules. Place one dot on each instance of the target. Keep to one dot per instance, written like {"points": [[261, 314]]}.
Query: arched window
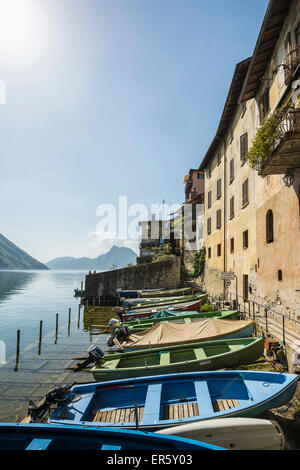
{"points": [[269, 227]]}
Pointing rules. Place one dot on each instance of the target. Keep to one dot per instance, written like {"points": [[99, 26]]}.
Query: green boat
{"points": [[202, 356], [170, 301], [184, 317]]}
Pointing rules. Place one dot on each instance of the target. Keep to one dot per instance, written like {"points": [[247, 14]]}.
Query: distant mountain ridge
{"points": [[12, 257], [118, 256]]}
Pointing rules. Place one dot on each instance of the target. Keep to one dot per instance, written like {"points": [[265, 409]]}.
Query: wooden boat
{"points": [[168, 293], [167, 301], [233, 433], [210, 355], [194, 305], [20, 436], [162, 401], [170, 333], [182, 317]]}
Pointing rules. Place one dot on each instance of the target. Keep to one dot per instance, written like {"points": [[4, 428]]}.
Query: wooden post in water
{"points": [[81, 287], [78, 322], [40, 337], [18, 350], [56, 329], [69, 321]]}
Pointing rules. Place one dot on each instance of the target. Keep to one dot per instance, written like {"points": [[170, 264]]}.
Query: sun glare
{"points": [[23, 31]]}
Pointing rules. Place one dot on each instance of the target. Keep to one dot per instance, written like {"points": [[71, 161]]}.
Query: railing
{"points": [[290, 64], [258, 312]]}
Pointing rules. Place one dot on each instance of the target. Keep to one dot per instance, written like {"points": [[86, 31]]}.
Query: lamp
{"points": [[289, 177]]}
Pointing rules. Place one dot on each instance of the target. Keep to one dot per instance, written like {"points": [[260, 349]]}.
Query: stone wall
{"points": [[104, 285]]}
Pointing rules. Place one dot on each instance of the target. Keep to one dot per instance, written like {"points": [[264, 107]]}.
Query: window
{"points": [[219, 250], [279, 273], [219, 189], [264, 105], [231, 214], [232, 245], [244, 146], [219, 157], [209, 252], [244, 108], [245, 194], [209, 172], [200, 176], [245, 286], [269, 227], [209, 225], [245, 239], [231, 170], [209, 199], [297, 37], [219, 218], [288, 48], [231, 136]]}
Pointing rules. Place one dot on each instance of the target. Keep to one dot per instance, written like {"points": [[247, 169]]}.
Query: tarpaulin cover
{"points": [[170, 333]]}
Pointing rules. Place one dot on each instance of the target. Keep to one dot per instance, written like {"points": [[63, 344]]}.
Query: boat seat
{"points": [[117, 415], [234, 347], [164, 358], [200, 353], [152, 404], [222, 405], [187, 320], [203, 398], [111, 447], [39, 444], [181, 410], [113, 364]]}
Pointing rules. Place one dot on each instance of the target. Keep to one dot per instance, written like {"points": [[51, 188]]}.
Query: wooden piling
{"points": [[78, 322], [56, 329], [40, 337], [69, 322], [18, 350]]}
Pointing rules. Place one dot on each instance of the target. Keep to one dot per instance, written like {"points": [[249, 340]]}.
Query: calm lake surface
{"points": [[26, 297]]}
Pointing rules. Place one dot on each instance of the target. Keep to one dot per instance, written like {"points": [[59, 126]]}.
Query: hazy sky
{"points": [[107, 98]]}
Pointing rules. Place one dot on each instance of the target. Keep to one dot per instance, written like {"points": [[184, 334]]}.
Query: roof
{"points": [[271, 28], [229, 108]]}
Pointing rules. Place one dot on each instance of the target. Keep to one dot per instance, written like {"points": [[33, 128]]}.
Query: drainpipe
{"points": [[224, 210]]}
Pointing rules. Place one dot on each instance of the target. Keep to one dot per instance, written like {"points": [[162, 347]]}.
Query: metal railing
{"points": [[259, 313]]}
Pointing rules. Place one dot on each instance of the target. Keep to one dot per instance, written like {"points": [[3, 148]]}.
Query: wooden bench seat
{"points": [[118, 415]]}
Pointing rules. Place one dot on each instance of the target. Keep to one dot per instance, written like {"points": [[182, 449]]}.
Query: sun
{"points": [[23, 29]]}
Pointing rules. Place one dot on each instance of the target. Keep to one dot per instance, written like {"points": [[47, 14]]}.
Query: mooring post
{"points": [[78, 322], [40, 337], [56, 329], [69, 322], [18, 350], [81, 289]]}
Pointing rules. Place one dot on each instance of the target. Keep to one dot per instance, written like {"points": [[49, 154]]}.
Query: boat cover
{"points": [[163, 314], [171, 333]]}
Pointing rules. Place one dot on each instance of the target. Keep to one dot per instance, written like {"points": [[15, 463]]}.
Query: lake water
{"points": [[26, 297]]}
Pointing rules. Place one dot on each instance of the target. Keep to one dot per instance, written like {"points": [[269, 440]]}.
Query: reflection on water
{"points": [[42, 307]]}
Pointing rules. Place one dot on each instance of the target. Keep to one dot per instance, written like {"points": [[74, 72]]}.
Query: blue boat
{"points": [[20, 436], [79, 292], [158, 402]]}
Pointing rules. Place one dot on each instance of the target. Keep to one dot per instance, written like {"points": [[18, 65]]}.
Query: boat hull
{"points": [[250, 352], [171, 400]]}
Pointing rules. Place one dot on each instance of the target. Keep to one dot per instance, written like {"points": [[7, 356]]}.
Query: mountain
{"points": [[119, 256], [12, 257]]}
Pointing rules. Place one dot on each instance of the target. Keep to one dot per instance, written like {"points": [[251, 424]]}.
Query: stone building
{"points": [[252, 224]]}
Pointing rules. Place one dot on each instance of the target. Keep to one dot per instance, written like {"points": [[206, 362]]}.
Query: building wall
{"points": [[261, 261], [164, 273]]}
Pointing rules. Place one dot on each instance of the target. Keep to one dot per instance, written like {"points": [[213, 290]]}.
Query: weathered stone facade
{"points": [[104, 285]]}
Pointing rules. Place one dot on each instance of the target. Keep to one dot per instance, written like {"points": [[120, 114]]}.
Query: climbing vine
{"points": [[199, 262]]}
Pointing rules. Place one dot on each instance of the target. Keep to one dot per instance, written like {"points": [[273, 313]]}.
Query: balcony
{"points": [[282, 146], [291, 63]]}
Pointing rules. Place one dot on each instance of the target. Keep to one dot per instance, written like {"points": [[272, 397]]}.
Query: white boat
{"points": [[233, 433]]}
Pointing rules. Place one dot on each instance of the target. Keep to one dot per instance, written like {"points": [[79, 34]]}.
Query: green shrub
{"points": [[207, 308], [199, 262]]}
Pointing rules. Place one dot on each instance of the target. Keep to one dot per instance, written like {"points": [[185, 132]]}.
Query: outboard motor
{"points": [[95, 355], [121, 334], [55, 396]]}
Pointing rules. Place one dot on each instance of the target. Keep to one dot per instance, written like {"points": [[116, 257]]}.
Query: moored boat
{"points": [[210, 355], [180, 317], [19, 436], [170, 333], [194, 305], [233, 433], [162, 401], [167, 301]]}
